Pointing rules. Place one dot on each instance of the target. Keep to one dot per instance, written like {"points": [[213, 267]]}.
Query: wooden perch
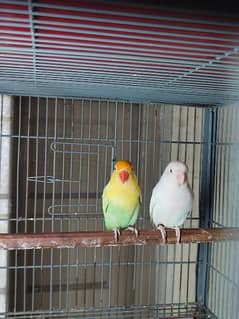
{"points": [[98, 239]]}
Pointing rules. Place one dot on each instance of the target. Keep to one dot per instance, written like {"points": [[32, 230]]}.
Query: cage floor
{"points": [[192, 311]]}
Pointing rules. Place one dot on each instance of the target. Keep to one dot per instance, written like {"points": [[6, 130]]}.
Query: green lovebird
{"points": [[121, 199]]}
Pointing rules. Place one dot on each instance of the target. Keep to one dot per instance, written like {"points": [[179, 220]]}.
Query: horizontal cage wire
{"points": [[61, 153]]}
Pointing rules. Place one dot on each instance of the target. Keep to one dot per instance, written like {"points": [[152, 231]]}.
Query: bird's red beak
{"points": [[124, 175], [182, 178]]}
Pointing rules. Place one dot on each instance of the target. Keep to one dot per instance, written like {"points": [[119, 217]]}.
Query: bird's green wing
{"points": [[105, 200], [136, 212]]}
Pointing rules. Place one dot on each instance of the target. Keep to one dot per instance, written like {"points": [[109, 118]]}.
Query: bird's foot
{"points": [[178, 234], [116, 232], [134, 230], [162, 230]]}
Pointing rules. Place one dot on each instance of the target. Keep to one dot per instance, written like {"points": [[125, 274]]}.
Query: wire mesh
{"points": [[224, 281], [62, 155], [64, 151], [131, 51]]}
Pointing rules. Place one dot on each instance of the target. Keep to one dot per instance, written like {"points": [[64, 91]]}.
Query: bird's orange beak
{"points": [[182, 178], [124, 175]]}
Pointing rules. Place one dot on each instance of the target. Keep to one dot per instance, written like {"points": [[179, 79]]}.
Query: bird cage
{"points": [[84, 84]]}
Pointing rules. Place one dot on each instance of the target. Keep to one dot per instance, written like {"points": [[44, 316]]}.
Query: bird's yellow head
{"points": [[124, 169]]}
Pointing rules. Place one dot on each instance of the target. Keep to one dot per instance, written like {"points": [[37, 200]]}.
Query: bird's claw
{"points": [[178, 234], [134, 230], [162, 230], [116, 234]]}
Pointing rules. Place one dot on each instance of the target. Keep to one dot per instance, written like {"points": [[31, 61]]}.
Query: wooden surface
{"points": [[98, 239]]}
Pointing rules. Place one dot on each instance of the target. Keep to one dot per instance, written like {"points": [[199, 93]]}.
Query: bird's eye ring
{"points": [[170, 170]]}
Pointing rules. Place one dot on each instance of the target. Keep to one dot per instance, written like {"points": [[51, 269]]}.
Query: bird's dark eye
{"points": [[170, 170]]}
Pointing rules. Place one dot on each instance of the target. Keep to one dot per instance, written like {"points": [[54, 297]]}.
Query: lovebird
{"points": [[121, 199], [172, 199]]}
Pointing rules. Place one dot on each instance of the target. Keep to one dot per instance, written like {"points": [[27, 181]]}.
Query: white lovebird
{"points": [[171, 199]]}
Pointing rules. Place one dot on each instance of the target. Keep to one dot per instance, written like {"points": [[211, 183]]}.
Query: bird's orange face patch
{"points": [[123, 165]]}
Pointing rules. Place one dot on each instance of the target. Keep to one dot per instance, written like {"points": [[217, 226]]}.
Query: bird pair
{"points": [[170, 203]]}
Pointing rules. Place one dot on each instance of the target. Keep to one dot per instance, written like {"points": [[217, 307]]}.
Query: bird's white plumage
{"points": [[171, 201]]}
